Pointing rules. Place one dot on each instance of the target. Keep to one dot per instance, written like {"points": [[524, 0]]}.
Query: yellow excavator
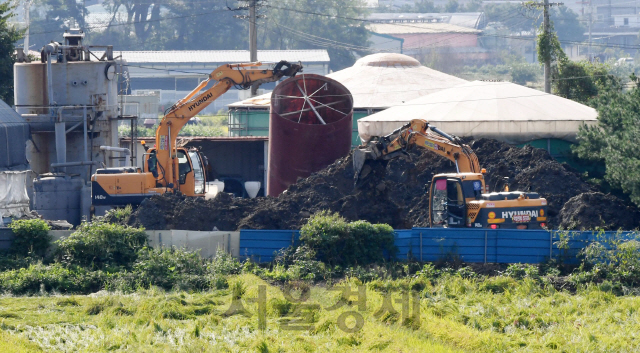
{"points": [[169, 168], [458, 199]]}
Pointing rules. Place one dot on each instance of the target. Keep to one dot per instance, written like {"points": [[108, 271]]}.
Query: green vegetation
{"points": [[516, 71], [189, 130], [299, 24], [458, 314], [613, 139], [8, 37], [313, 24], [101, 245], [341, 297], [337, 242], [31, 237], [209, 125]]}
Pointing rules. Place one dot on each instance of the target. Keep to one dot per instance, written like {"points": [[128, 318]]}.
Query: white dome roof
{"points": [[380, 81], [501, 110]]}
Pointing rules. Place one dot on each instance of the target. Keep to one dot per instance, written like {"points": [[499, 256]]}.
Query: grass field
{"points": [[457, 314]]}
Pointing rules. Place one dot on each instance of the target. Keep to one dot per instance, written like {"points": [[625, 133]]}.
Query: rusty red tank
{"points": [[309, 128]]}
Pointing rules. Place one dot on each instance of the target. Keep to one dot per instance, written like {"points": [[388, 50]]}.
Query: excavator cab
{"points": [[448, 207], [191, 167]]}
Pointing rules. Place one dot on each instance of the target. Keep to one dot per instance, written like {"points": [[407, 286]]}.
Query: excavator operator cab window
{"points": [[152, 164], [455, 203], [439, 203], [183, 166], [447, 203], [198, 172], [472, 189]]}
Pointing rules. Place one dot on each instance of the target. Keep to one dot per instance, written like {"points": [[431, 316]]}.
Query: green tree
{"points": [[424, 6], [511, 16], [615, 137], [567, 24], [50, 18], [8, 38], [317, 24], [451, 6], [582, 80]]}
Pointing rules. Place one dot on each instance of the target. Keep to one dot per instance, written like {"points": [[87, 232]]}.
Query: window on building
{"points": [[626, 21]]}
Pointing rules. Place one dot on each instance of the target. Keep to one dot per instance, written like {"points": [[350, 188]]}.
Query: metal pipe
{"points": [[126, 152], [84, 129], [49, 85], [61, 142], [444, 134], [72, 164], [61, 108], [50, 48]]}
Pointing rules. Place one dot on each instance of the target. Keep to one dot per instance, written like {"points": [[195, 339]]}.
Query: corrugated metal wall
{"points": [[435, 244]]}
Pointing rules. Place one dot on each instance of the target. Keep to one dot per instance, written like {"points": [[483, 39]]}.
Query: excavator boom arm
{"points": [[225, 76], [418, 133]]}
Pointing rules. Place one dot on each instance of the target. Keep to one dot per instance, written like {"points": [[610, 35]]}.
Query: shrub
{"points": [[337, 242], [39, 278], [224, 264], [171, 268], [31, 237], [616, 255], [101, 245], [118, 215], [371, 240], [521, 271], [328, 235]]}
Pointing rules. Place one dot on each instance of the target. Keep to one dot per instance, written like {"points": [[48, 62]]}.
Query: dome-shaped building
{"points": [[376, 82]]}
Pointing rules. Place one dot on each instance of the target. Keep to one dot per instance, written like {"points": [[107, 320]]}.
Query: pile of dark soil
{"points": [[593, 210], [394, 192]]}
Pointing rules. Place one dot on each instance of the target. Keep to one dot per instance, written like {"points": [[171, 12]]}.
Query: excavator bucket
{"points": [[360, 156]]}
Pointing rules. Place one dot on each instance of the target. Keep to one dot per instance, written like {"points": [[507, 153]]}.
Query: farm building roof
{"points": [[419, 28], [499, 110], [222, 56]]}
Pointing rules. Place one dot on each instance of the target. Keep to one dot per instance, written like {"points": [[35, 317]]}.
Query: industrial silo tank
{"points": [[309, 128]]}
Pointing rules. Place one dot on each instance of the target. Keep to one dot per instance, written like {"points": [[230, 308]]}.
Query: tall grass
{"points": [[498, 314]]}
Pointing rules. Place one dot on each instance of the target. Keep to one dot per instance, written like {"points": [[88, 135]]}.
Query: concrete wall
{"points": [[207, 242]]}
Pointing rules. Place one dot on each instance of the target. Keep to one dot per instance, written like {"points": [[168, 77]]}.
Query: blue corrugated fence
{"points": [[434, 244], [261, 245]]}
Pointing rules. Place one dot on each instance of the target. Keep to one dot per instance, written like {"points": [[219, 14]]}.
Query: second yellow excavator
{"points": [[458, 199], [168, 167]]}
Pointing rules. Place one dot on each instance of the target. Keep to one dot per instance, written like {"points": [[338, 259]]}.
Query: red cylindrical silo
{"points": [[310, 126]]}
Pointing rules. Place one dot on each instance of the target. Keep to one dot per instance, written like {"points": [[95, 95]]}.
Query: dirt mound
{"points": [[593, 210], [394, 192]]}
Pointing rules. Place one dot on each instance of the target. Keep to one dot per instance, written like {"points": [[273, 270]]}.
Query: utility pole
{"points": [[590, 22], [253, 17], [546, 28], [253, 40], [547, 62]]}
